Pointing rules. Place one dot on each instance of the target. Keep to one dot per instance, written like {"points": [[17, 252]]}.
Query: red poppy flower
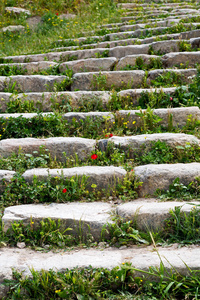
{"points": [[94, 156], [64, 190], [132, 170], [56, 14], [170, 98], [106, 135], [110, 135]]}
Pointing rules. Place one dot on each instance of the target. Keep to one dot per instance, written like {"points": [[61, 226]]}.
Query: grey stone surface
{"points": [[166, 46], [135, 94], [30, 83], [150, 214], [13, 28], [33, 21], [186, 74], [121, 51], [48, 100], [117, 79], [5, 175], [24, 115], [189, 59], [89, 65], [17, 10], [134, 144], [180, 116], [181, 259], [90, 216], [102, 177], [190, 34], [56, 146], [131, 60], [105, 117], [30, 68], [161, 176]]}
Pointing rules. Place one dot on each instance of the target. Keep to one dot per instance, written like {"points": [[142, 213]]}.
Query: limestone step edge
{"points": [[141, 258]]}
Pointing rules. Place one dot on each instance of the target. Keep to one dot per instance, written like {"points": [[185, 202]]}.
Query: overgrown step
{"points": [[59, 147], [173, 258], [189, 59], [30, 83], [150, 214], [161, 176], [5, 176], [118, 79], [82, 218], [137, 143], [102, 177], [49, 101]]}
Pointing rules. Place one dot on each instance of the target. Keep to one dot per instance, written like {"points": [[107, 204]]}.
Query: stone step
{"points": [[179, 116], [131, 60], [107, 80], [174, 258], [89, 65], [30, 83], [136, 144], [161, 176], [6, 176], [187, 75], [49, 101], [103, 177], [135, 94], [189, 59], [84, 218], [30, 68], [149, 214], [59, 147]]}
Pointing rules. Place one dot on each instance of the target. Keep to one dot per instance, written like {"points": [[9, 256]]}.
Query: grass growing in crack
{"points": [[154, 63]]}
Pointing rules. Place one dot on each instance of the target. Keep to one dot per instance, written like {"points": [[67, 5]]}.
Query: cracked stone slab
{"points": [[179, 116], [48, 100], [150, 214], [90, 216], [59, 147], [89, 65], [134, 144], [31, 83], [181, 58], [186, 74], [5, 175], [119, 79], [161, 176], [102, 177]]}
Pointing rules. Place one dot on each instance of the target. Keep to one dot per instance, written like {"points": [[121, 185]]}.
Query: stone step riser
{"points": [[161, 176], [30, 83], [137, 144], [49, 101]]}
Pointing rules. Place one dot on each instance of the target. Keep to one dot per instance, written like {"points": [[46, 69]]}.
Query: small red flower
{"points": [[56, 14], [94, 156], [110, 135], [170, 98], [132, 170], [106, 135], [64, 190]]}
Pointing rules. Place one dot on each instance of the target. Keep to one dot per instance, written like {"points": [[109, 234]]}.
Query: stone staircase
{"points": [[97, 69]]}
